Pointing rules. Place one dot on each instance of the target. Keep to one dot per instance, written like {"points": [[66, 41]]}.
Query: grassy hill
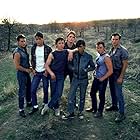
{"points": [[49, 127]]}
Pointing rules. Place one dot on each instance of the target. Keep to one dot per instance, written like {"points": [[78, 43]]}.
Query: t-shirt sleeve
{"points": [[125, 54]]}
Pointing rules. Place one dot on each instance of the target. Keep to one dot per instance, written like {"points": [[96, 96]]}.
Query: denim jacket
{"points": [[82, 67], [47, 51]]}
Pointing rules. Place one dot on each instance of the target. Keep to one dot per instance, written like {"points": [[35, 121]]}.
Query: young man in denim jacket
{"points": [[82, 64]]}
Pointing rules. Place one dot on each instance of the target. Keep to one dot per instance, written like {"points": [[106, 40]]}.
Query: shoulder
{"points": [[15, 50], [47, 46], [88, 55], [123, 49]]}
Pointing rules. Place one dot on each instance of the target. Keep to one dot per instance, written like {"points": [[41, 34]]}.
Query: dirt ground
{"points": [[49, 127]]}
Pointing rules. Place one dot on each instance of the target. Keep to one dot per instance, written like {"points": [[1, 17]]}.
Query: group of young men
{"points": [[70, 59]]}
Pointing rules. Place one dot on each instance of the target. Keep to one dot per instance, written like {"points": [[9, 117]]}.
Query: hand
{"points": [[120, 80], [53, 77], [33, 72], [101, 79], [29, 70], [45, 73], [70, 56]]}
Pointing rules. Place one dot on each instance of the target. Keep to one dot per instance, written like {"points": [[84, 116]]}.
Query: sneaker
{"points": [[69, 116], [89, 109], [80, 115], [98, 115], [57, 112], [29, 104], [33, 111], [76, 106], [120, 118], [22, 114], [112, 108], [44, 109]]}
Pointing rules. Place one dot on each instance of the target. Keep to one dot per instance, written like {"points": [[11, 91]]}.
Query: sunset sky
{"points": [[46, 11]]}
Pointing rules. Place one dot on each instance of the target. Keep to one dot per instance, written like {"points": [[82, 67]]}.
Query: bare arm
{"points": [[17, 64], [70, 53], [47, 66], [109, 69], [124, 67]]}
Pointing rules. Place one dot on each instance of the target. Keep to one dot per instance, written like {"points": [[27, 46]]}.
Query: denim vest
{"points": [[24, 57], [101, 68]]}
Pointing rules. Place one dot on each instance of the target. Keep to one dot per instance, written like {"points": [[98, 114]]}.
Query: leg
{"points": [[120, 97], [72, 94], [56, 91], [112, 90], [83, 88], [21, 77], [28, 89], [102, 89], [94, 89], [34, 85], [45, 88]]}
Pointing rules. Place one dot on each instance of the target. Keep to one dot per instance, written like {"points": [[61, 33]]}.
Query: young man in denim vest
{"points": [[102, 72], [21, 61]]}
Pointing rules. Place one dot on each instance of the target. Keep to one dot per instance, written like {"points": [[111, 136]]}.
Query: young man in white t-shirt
{"points": [[39, 55]]}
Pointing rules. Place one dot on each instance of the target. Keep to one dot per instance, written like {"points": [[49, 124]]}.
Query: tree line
{"points": [[129, 28]]}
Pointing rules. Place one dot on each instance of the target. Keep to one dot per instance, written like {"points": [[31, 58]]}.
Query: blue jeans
{"points": [[34, 86], [24, 82], [118, 90], [56, 91], [120, 97], [112, 90], [101, 87], [82, 84]]}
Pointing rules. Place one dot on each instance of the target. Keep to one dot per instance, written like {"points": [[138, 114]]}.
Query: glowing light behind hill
{"points": [[45, 11]]}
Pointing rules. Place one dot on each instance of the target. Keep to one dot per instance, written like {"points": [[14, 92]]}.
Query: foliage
{"points": [[8, 84]]}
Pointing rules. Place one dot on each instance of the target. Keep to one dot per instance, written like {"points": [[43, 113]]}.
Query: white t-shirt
{"points": [[40, 59]]}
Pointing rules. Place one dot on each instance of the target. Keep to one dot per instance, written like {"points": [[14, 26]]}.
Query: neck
{"points": [[69, 44], [116, 46]]}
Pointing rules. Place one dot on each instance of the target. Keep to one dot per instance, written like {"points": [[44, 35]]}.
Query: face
{"points": [[39, 41], [71, 38], [81, 49], [22, 42], [100, 48], [60, 44], [115, 40]]}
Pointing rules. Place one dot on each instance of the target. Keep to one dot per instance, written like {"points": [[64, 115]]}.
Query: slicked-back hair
{"points": [[71, 32], [39, 34], [116, 34], [100, 42], [80, 42], [20, 36], [59, 39]]}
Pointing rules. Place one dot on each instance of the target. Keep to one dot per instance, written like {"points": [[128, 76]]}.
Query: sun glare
{"points": [[47, 11]]}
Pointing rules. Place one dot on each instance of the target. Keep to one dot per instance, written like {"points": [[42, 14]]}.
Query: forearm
{"points": [[107, 75], [20, 68], [125, 65]]}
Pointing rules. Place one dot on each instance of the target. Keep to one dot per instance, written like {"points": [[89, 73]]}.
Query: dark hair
{"points": [[20, 36], [100, 42], [116, 34], [80, 42], [59, 39], [71, 32], [39, 34]]}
